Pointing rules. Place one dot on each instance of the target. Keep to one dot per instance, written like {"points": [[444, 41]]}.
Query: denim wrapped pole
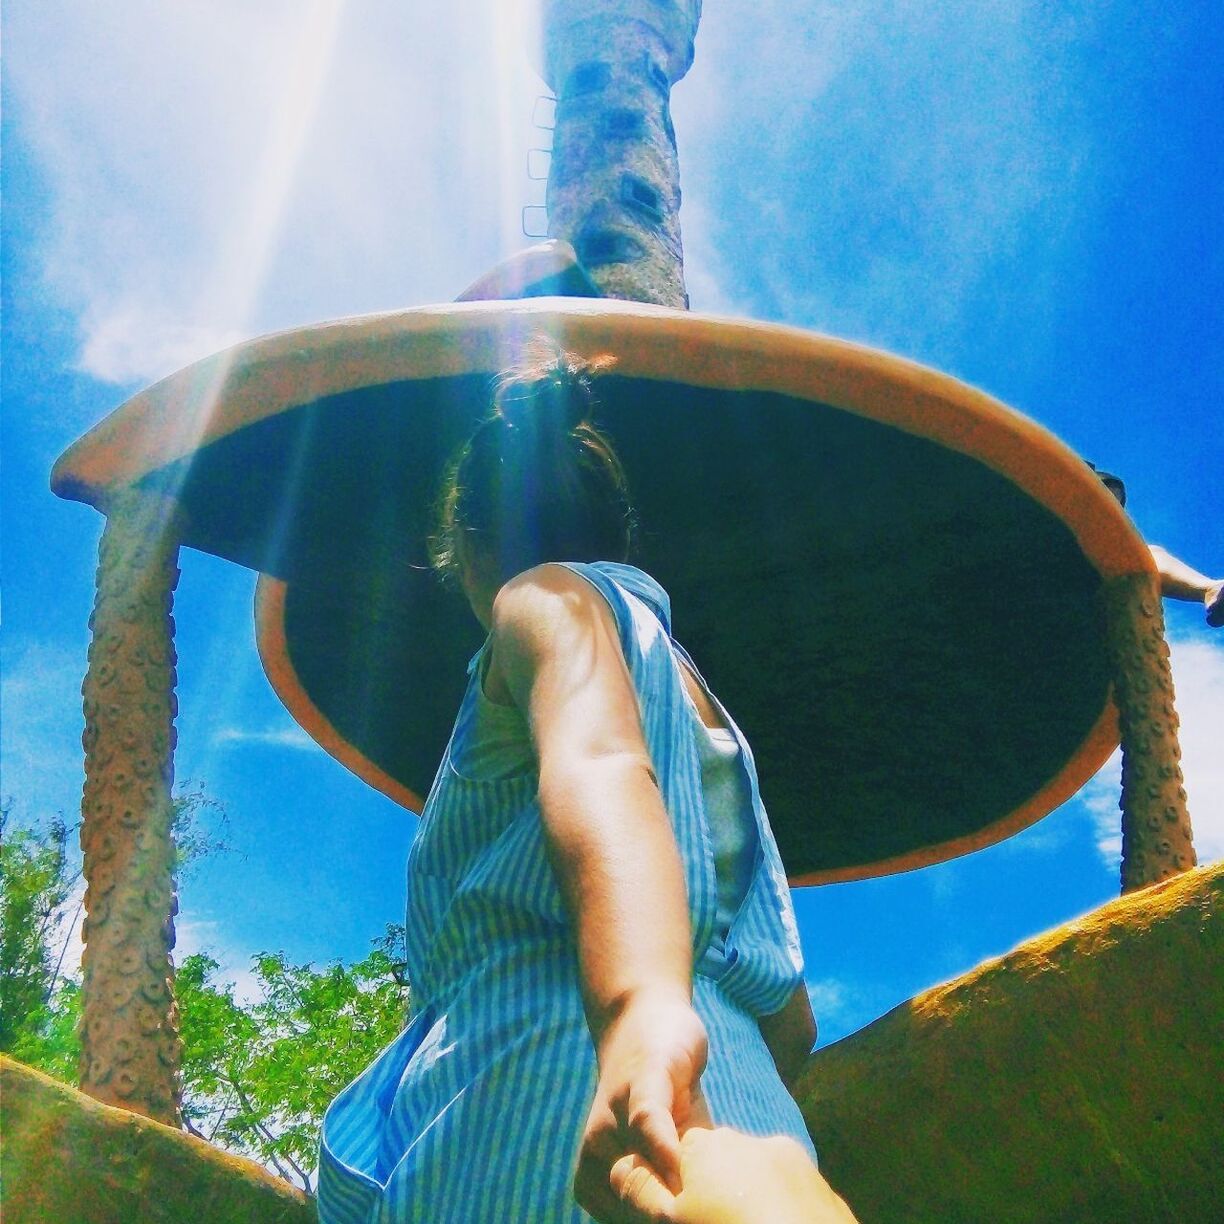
{"points": [[614, 178]]}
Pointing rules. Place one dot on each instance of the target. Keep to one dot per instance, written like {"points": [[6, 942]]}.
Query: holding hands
{"points": [[731, 1178], [650, 1152], [651, 1056]]}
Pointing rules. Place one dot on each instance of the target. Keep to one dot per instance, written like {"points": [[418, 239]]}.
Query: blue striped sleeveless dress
{"points": [[475, 1112]]}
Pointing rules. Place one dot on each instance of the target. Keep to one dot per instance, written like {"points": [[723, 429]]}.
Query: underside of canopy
{"points": [[889, 578]]}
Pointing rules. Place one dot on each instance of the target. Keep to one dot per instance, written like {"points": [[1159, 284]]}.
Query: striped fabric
{"points": [[474, 1113]]}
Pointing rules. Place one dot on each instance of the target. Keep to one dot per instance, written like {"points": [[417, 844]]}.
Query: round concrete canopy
{"points": [[888, 577]]}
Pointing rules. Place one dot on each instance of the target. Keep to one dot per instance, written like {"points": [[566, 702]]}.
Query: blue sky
{"points": [[1024, 195]]}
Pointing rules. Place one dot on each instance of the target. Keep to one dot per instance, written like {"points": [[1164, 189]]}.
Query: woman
{"points": [[601, 941]]}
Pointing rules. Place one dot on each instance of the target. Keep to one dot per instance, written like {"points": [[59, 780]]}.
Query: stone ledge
{"points": [[1079, 1078], [69, 1159]]}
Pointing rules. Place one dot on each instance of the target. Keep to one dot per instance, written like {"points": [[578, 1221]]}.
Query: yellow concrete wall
{"points": [[1078, 1079], [69, 1160]]}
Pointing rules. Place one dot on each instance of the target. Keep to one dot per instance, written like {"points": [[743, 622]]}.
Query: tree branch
{"points": [[222, 1113], [269, 1139], [59, 964]]}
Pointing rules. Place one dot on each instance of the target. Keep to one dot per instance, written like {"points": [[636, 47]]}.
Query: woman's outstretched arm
{"points": [[556, 651]]}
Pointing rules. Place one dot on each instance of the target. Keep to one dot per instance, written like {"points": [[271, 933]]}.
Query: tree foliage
{"points": [[259, 1068], [36, 881], [258, 1075], [41, 902]]}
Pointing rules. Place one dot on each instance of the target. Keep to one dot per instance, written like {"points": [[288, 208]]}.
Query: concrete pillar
{"points": [[1157, 841], [614, 181], [130, 1048]]}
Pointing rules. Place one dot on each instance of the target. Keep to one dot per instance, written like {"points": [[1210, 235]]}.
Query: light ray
{"points": [[508, 52], [243, 266], [306, 71]]}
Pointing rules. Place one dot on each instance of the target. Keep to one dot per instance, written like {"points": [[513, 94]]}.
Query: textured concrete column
{"points": [[1157, 841], [614, 182], [130, 1049]]}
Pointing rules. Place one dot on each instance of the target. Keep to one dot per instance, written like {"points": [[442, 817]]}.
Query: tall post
{"points": [[1157, 841], [614, 181], [130, 1048]]}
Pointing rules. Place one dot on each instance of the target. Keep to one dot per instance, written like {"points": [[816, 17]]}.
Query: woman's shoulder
{"points": [[558, 608], [557, 587], [550, 611], [627, 581]]}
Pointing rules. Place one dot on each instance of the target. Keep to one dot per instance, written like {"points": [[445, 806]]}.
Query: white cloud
{"points": [[68, 946], [841, 1007], [1047, 836], [131, 343], [829, 1000], [275, 737], [191, 936], [856, 191], [226, 169], [1100, 799], [203, 935], [708, 292], [1198, 680]]}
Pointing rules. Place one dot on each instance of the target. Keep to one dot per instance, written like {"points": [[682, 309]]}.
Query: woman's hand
{"points": [[651, 1056]]}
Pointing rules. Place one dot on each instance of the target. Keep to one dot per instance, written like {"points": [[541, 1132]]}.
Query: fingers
{"points": [[1214, 603], [651, 1129], [601, 1148], [699, 1111], [638, 1187], [630, 1193], [635, 1136], [650, 1061]]}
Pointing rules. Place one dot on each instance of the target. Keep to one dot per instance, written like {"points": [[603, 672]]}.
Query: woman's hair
{"points": [[536, 481]]}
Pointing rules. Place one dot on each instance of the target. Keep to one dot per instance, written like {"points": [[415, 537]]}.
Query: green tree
{"points": [[257, 1073], [36, 880], [41, 902]]}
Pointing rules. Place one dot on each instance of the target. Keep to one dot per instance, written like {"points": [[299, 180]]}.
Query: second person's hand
{"points": [[731, 1178]]}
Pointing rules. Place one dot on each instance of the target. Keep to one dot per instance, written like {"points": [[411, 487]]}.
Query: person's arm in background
{"points": [[1181, 581], [556, 651]]}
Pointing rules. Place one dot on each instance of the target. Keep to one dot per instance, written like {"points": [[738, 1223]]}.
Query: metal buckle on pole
{"points": [[548, 121], [532, 232]]}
